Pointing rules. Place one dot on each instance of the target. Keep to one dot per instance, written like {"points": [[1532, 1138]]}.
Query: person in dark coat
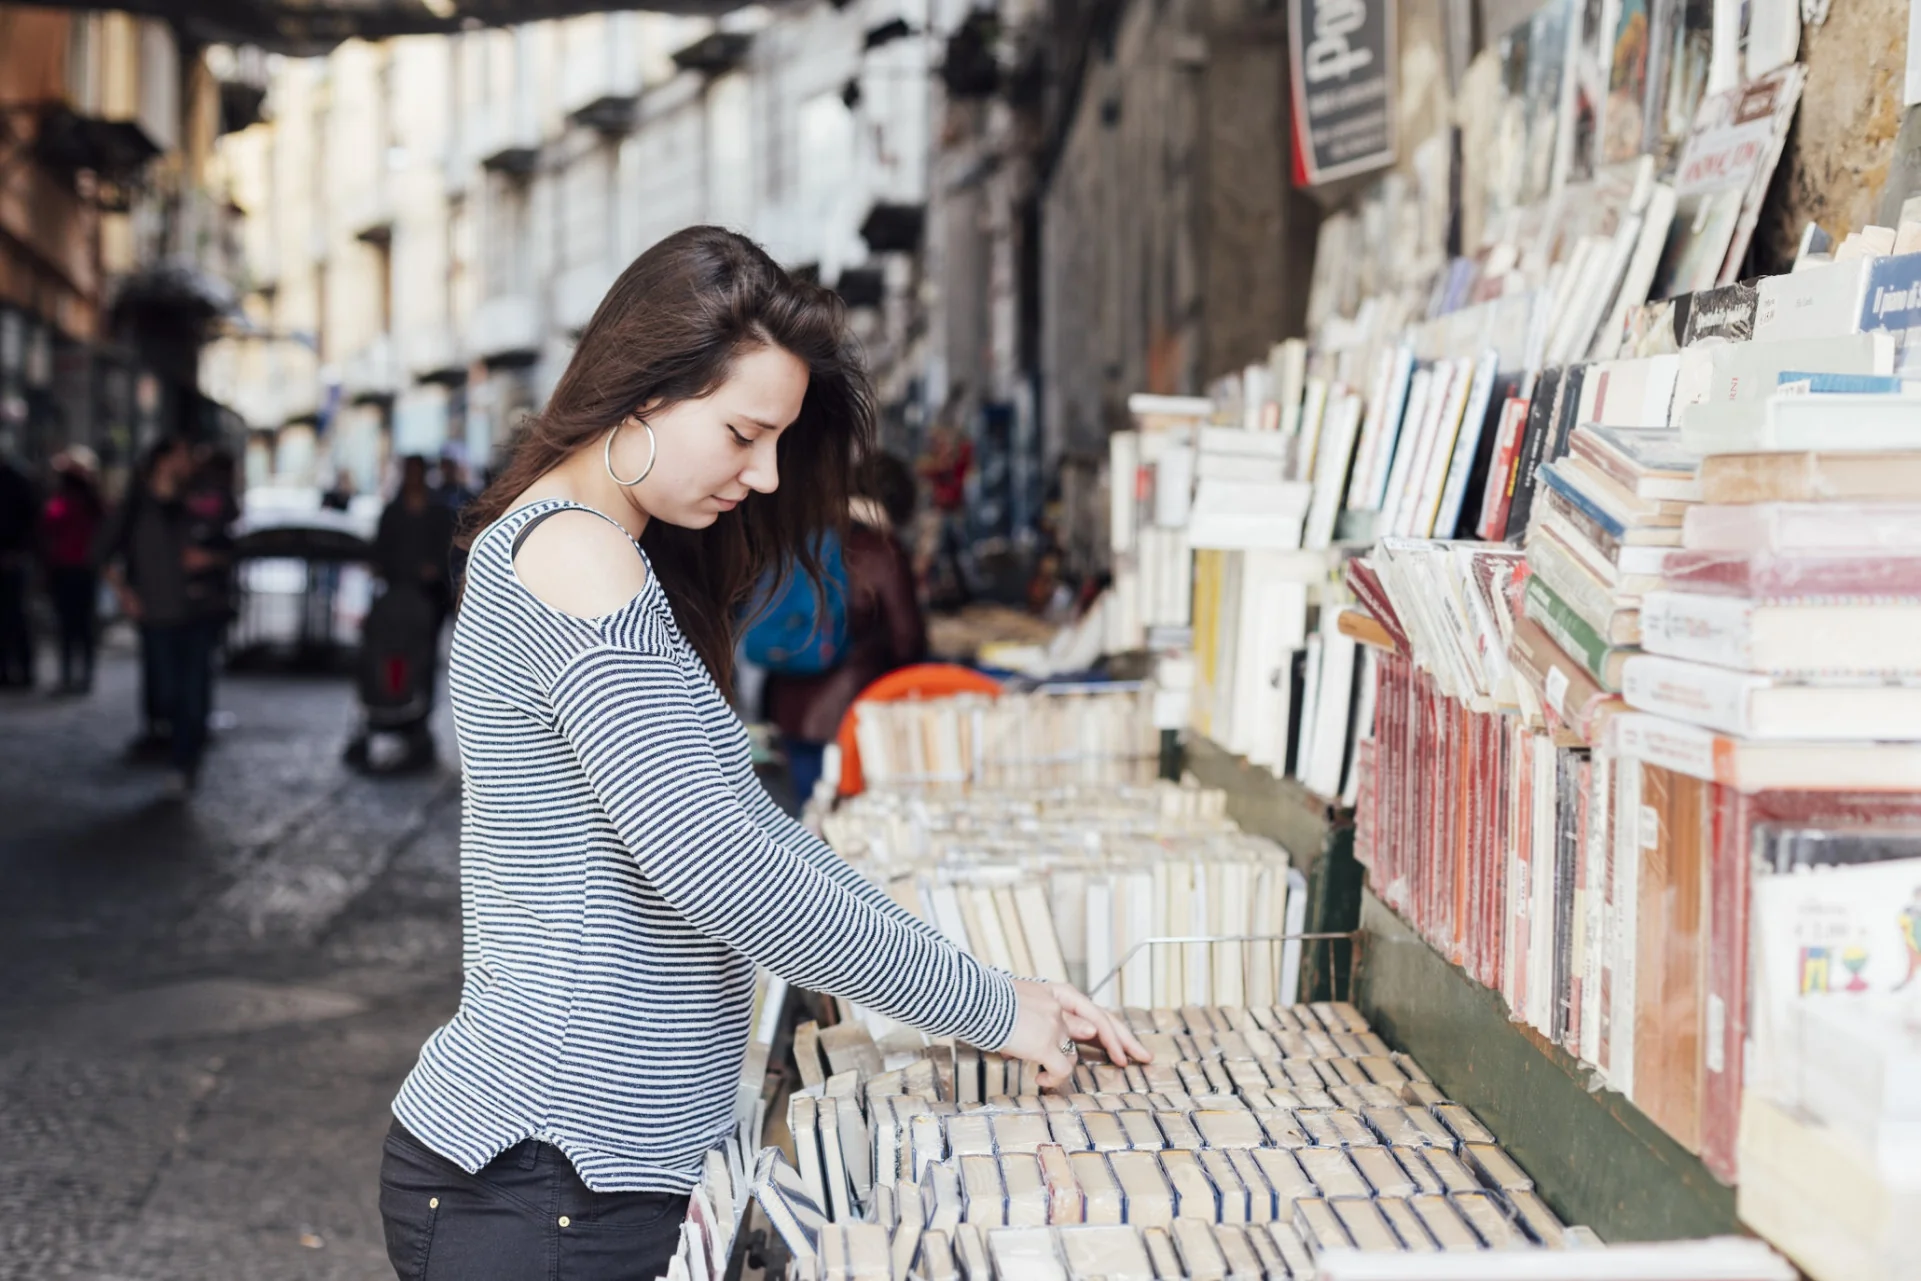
{"points": [[70, 526], [168, 559], [885, 627], [19, 525]]}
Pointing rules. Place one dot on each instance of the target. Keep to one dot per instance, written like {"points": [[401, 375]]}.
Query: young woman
{"points": [[623, 872]]}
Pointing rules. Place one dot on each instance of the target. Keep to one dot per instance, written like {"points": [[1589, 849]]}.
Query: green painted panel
{"points": [[1593, 1155]]}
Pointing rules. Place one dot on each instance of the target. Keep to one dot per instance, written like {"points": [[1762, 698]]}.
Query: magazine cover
{"points": [[1724, 173], [1626, 116]]}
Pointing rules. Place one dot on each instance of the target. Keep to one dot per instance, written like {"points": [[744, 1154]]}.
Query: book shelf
{"points": [[1595, 1158]]}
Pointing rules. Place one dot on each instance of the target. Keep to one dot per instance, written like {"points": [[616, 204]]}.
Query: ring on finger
{"points": [[1068, 1047]]}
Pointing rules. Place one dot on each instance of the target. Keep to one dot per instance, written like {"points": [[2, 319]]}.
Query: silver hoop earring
{"points": [[653, 452]]}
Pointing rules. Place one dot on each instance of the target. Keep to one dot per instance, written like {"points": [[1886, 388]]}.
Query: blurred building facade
{"points": [[430, 220], [117, 242]]}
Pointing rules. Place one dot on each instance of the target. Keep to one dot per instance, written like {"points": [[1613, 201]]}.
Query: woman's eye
{"points": [[738, 438]]}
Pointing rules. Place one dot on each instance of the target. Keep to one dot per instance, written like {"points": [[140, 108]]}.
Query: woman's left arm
{"points": [[783, 828]]}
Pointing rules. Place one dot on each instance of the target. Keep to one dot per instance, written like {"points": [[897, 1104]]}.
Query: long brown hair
{"points": [[668, 331]]}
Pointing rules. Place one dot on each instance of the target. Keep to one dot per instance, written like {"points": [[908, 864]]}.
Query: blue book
{"points": [[1823, 384], [1567, 489]]}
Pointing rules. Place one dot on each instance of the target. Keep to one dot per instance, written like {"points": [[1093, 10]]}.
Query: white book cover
{"points": [[1313, 410], [1540, 979], [1322, 775], [1468, 444], [1829, 934], [1815, 528], [1269, 917], [1173, 486], [1387, 393], [1753, 705], [1288, 361], [1139, 976], [1638, 279], [1415, 514], [1290, 992], [1849, 637], [1774, 35], [1241, 444], [1634, 393], [1820, 302], [1714, 379], [944, 912], [1243, 515], [1197, 959], [1429, 385], [1309, 716], [1257, 394], [1099, 945], [1363, 724], [1513, 919], [1227, 720], [1249, 467], [1331, 470], [1280, 606]]}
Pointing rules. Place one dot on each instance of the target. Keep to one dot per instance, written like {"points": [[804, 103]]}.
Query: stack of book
{"points": [[1057, 734], [1070, 884], [1605, 516], [1781, 651], [1262, 1141]]}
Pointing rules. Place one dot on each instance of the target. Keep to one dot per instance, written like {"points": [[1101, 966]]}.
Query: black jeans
{"points": [[16, 631], [180, 658], [525, 1216], [76, 603]]}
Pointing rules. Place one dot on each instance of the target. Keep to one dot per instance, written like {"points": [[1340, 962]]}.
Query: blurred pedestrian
{"points": [[453, 489], [163, 562], [885, 628], [212, 508], [339, 496], [19, 531], [69, 529], [415, 536], [945, 466]]}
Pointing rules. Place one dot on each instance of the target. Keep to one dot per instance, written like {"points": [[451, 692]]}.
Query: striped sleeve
{"points": [[782, 827], [634, 727]]}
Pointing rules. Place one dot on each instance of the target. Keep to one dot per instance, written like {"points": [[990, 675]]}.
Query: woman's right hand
{"points": [[1048, 1016]]}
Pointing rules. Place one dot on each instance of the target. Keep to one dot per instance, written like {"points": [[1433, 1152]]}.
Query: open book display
{"points": [[1262, 1142], [1070, 883]]}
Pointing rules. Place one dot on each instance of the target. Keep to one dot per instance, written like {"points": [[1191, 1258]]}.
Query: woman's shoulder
{"points": [[581, 564]]}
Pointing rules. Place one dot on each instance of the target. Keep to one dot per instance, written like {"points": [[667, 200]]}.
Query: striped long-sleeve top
{"points": [[622, 873]]}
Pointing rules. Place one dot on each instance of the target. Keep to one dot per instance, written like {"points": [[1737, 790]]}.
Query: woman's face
{"points": [[716, 450]]}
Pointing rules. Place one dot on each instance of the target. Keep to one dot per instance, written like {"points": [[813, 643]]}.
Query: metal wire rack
{"points": [[1247, 942]]}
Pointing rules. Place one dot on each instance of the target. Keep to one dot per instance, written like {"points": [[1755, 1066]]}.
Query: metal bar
{"points": [[1352, 936]]}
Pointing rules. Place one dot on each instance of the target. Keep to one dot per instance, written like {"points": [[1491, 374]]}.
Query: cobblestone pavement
{"points": [[206, 1007]]}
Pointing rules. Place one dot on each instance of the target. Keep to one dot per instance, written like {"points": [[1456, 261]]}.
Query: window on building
{"points": [[506, 237], [584, 207]]}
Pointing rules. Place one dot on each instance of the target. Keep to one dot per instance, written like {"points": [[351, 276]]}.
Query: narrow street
{"points": [[205, 1008]]}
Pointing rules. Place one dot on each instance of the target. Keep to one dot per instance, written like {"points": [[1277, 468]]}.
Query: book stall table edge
{"points": [[1319, 839], [1594, 1157]]}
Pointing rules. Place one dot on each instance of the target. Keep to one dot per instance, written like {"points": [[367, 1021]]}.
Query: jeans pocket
{"points": [[629, 1211], [408, 1214]]}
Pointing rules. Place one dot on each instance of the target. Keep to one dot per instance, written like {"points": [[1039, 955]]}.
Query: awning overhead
{"points": [[315, 26]]}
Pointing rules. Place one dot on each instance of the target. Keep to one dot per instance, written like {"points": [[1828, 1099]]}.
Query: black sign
{"points": [[1342, 60]]}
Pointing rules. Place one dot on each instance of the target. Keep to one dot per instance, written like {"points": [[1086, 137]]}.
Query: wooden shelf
{"points": [[1594, 1156]]}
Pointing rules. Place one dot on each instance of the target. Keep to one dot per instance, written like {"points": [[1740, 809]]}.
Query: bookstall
{"points": [[1538, 631]]}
